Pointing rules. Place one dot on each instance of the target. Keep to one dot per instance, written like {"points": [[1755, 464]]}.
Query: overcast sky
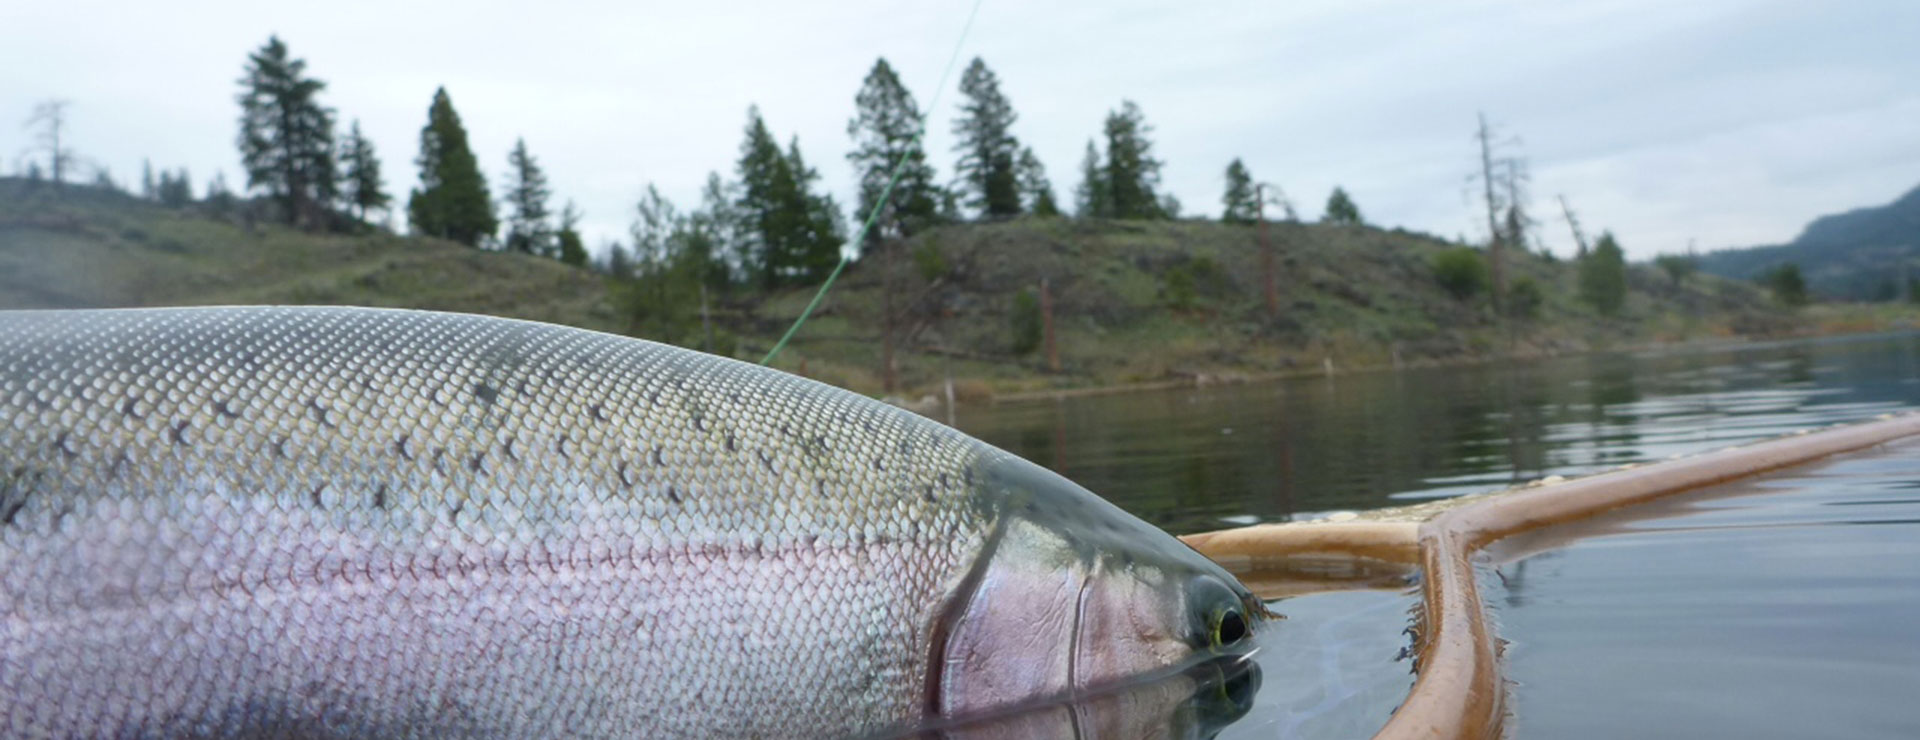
{"points": [[1732, 123]]}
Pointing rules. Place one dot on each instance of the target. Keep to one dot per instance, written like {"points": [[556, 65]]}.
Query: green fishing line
{"points": [[885, 193]]}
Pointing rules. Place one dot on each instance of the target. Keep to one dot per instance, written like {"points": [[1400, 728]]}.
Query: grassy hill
{"points": [[1862, 254], [1135, 302]]}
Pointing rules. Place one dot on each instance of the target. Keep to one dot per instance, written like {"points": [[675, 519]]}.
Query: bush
{"points": [[1524, 298], [1460, 271], [1788, 287], [1026, 322]]}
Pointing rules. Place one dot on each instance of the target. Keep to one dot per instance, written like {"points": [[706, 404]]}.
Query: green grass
{"points": [[1356, 295]]}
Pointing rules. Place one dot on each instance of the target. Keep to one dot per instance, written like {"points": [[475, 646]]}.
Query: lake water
{"points": [[1777, 613], [1206, 458]]}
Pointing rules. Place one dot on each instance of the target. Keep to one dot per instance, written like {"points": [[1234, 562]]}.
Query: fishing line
{"points": [[885, 193]]}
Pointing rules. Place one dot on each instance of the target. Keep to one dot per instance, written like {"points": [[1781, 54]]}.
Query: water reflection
{"points": [[1200, 459], [1194, 705]]}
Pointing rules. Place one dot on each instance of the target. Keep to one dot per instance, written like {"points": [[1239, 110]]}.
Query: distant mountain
{"points": [[1863, 254]]}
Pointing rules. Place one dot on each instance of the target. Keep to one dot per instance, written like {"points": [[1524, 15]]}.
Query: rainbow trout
{"points": [[341, 522]]}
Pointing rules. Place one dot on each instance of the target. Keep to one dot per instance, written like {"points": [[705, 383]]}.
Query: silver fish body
{"points": [[331, 522]]}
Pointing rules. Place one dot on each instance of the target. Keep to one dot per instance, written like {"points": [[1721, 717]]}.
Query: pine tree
{"points": [[452, 200], [988, 150], [572, 250], [1036, 191], [886, 134], [175, 190], [1132, 174], [286, 136], [529, 229], [1603, 276], [788, 234], [1340, 209], [1091, 199], [821, 232], [1242, 204], [361, 187], [148, 189]]}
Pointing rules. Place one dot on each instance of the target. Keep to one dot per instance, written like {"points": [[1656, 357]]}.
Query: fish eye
{"points": [[1220, 617], [1229, 627]]}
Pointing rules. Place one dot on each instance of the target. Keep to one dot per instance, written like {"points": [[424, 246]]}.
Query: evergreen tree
{"points": [[148, 189], [723, 216], [452, 200], [1603, 276], [788, 234], [1241, 200], [988, 150], [1340, 209], [361, 186], [286, 136], [528, 227], [1035, 191], [821, 235], [572, 250], [1787, 285], [1132, 174], [1090, 199], [886, 133], [175, 190]]}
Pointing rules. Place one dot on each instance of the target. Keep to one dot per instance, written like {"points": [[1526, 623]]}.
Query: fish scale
{"points": [[345, 522]]}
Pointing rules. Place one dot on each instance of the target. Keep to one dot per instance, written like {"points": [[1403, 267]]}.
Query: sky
{"points": [[1705, 123]]}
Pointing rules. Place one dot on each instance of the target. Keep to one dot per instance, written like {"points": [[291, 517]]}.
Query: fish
{"points": [[331, 522]]}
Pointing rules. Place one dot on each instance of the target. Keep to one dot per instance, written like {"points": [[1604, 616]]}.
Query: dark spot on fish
{"points": [[621, 471], [280, 447], [521, 388], [733, 396], [653, 397], [60, 445], [659, 460], [1029, 508], [905, 447], [439, 460], [179, 433], [731, 447], [966, 475], [315, 495], [380, 497], [866, 424], [485, 393], [507, 448], [785, 429], [478, 463], [820, 487], [927, 493], [560, 447], [119, 461], [765, 460], [131, 408], [945, 482], [700, 422], [598, 413], [319, 412], [673, 494], [433, 396], [224, 407], [400, 447], [13, 495], [879, 464], [457, 506]]}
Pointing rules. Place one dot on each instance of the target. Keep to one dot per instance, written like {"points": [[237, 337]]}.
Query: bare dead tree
{"points": [[1494, 248], [50, 116], [1579, 237]]}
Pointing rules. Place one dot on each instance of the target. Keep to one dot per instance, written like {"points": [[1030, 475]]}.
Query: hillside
{"points": [[1859, 255], [1135, 302]]}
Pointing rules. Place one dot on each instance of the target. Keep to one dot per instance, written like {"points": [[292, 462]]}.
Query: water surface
{"points": [[1199, 459]]}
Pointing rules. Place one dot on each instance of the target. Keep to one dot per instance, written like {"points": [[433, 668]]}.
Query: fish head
{"points": [[1072, 595]]}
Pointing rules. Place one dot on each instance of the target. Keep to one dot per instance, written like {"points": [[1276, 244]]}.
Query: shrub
{"points": [[1460, 271], [1026, 322]]}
